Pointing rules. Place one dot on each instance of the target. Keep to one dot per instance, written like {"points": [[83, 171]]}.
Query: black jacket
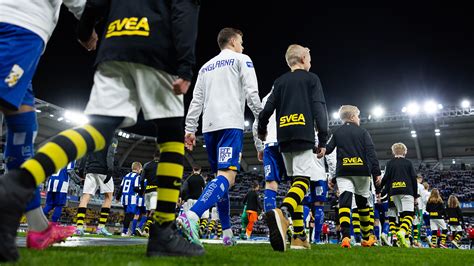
{"points": [[454, 216], [300, 109], [436, 210], [102, 162], [149, 174], [252, 201], [355, 151], [157, 33], [400, 178], [193, 187]]}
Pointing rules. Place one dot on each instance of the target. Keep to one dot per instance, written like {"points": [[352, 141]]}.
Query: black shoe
{"points": [[13, 199], [166, 241]]}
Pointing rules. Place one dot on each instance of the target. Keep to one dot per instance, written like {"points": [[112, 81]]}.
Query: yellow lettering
{"points": [[292, 119], [352, 161], [131, 24], [143, 24], [301, 118], [128, 26]]}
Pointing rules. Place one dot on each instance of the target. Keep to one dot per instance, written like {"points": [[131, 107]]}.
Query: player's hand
{"points": [[90, 44], [331, 184], [260, 217], [321, 152], [189, 141], [181, 86], [260, 156], [378, 180]]}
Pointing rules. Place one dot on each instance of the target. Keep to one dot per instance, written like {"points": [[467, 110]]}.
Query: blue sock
{"points": [[318, 222], [386, 227], [57, 214], [269, 200], [377, 231], [47, 209], [223, 208], [134, 225], [142, 221], [21, 132], [212, 193]]}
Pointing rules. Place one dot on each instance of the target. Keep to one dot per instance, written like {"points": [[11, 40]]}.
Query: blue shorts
{"points": [[20, 51], [140, 210], [56, 198], [273, 164], [224, 149], [131, 208]]}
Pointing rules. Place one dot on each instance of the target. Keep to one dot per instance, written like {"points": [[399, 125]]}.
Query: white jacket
{"points": [[38, 16], [271, 128], [222, 86]]}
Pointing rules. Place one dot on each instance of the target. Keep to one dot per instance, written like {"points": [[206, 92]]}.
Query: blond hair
{"points": [[453, 202], [426, 185], [136, 166], [346, 112], [435, 197], [399, 149], [294, 54]]}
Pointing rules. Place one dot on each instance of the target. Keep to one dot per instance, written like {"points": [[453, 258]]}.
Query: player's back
{"points": [[59, 182], [222, 81], [130, 182]]}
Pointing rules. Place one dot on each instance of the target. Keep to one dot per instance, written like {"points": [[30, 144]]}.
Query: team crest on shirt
{"points": [[225, 154], [268, 170], [15, 74], [249, 64]]}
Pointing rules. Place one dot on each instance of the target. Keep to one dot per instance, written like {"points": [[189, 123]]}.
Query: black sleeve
{"points": [[184, 20], [202, 183], [386, 180], [371, 155], [331, 145], [443, 210], [266, 113], [259, 202], [460, 217], [245, 198], [320, 113], [413, 180], [93, 11]]}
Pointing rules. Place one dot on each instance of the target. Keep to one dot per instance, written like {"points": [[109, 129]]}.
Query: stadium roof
{"points": [[453, 125]]}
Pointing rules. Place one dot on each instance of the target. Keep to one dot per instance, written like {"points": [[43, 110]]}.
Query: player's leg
{"points": [[272, 162], [355, 221], [444, 232], [49, 204], [106, 189], [319, 194], [405, 205], [346, 190], [362, 197], [82, 208], [60, 202]]}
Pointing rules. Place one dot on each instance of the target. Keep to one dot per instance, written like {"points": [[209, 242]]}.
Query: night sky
{"points": [[364, 55]]}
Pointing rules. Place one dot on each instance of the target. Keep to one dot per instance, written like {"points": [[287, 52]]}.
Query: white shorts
{"points": [[300, 163], [455, 228], [96, 181], [392, 212], [404, 203], [437, 224], [359, 185], [123, 88], [318, 171], [150, 200]]}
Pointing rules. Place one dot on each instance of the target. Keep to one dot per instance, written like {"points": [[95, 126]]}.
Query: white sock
{"points": [[192, 216], [36, 220], [228, 232]]}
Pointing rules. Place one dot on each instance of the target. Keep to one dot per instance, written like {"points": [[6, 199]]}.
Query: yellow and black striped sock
{"points": [[169, 173], [458, 236], [219, 229], [148, 223], [355, 221], [211, 225], [416, 233], [406, 223], [69, 145], [393, 225], [81, 214], [443, 236], [202, 226], [297, 217], [434, 238], [295, 195], [372, 220], [364, 216], [104, 214], [345, 221]]}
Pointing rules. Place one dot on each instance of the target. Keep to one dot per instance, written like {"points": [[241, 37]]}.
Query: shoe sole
{"points": [[299, 247], [277, 236]]}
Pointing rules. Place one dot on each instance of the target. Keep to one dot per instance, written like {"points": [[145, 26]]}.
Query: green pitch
{"points": [[250, 254]]}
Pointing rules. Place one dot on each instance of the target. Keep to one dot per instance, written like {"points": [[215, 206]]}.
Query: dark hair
{"points": [[196, 167], [225, 35], [255, 184]]}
